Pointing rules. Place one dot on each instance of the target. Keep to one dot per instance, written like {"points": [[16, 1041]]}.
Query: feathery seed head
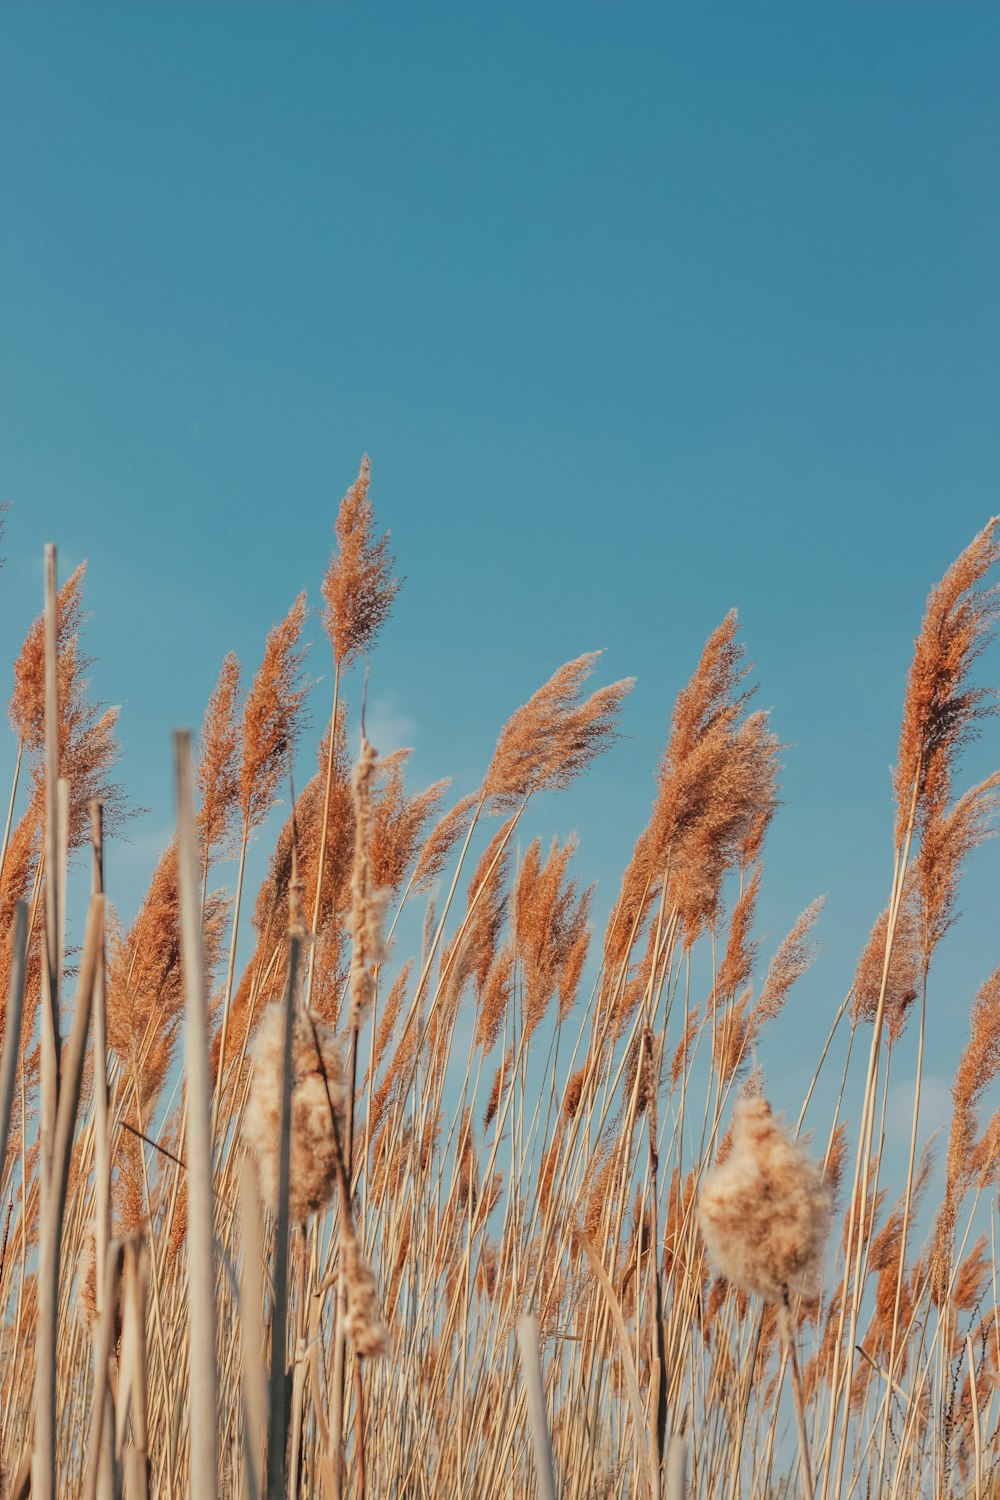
{"points": [[218, 772], [765, 1212], [363, 1324], [359, 587], [941, 711], [368, 905], [317, 1110], [273, 715], [554, 736]]}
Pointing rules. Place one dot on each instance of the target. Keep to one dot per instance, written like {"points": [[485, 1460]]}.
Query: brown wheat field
{"points": [[279, 1229]]}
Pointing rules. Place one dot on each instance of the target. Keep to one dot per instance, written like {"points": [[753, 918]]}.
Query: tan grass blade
{"points": [[135, 1465], [628, 1363], [12, 1029], [43, 1473], [252, 1332], [72, 1069], [104, 1340], [203, 1394], [278, 1417], [102, 1140], [676, 1469], [534, 1386]]}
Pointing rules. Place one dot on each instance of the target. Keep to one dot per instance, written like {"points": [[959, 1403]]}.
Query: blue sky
{"points": [[641, 312]]}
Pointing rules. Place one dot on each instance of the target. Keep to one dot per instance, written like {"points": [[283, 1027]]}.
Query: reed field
{"points": [[276, 1228]]}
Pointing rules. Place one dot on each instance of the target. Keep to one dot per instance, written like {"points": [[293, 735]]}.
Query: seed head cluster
{"points": [[367, 905], [363, 1325], [765, 1212], [317, 1110]]}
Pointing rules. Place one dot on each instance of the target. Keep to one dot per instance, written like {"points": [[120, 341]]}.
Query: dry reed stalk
{"points": [[277, 1430], [134, 1457], [203, 1393], [534, 1384], [102, 1462], [676, 1474], [102, 1144], [12, 1030], [948, 837], [367, 952], [272, 724], [43, 1476], [252, 1333], [15, 781], [788, 1334], [628, 1363]]}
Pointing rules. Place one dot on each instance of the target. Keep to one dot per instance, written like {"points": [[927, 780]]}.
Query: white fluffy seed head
{"points": [[363, 1324], [317, 1081], [765, 1211]]}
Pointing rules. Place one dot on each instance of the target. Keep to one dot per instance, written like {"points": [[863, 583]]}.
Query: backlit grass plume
{"points": [[220, 751], [554, 736], [359, 587], [367, 904], [942, 711]]}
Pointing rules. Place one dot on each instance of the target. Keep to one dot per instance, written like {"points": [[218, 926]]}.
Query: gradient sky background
{"points": [[641, 312]]}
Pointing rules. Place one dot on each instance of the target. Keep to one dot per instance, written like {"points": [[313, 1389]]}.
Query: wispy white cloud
{"points": [[935, 1108], [387, 726]]}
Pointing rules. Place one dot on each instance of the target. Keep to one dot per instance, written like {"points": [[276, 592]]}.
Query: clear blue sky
{"points": [[641, 312]]}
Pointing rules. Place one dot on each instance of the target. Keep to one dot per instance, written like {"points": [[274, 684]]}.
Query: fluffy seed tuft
{"points": [[317, 1084], [765, 1212]]}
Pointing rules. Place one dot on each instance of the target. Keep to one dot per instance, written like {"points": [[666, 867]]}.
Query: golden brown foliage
{"points": [[367, 904], [363, 1324], [27, 705], [941, 711], [736, 968], [905, 963], [398, 823], [979, 1066], [273, 715], [949, 836], [145, 986], [499, 1084], [551, 931], [546, 744], [358, 588], [441, 841], [716, 793], [391, 1012], [88, 748], [218, 771], [494, 998]]}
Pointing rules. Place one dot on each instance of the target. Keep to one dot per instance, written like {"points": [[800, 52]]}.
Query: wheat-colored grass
{"points": [[500, 1210]]}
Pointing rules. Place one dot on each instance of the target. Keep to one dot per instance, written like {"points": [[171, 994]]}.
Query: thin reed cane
{"points": [[277, 1431], [203, 1395], [43, 1474], [12, 1030], [534, 1385]]}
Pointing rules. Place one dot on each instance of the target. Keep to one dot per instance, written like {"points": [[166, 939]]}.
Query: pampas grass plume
{"points": [[363, 1324], [317, 1083], [765, 1212]]}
